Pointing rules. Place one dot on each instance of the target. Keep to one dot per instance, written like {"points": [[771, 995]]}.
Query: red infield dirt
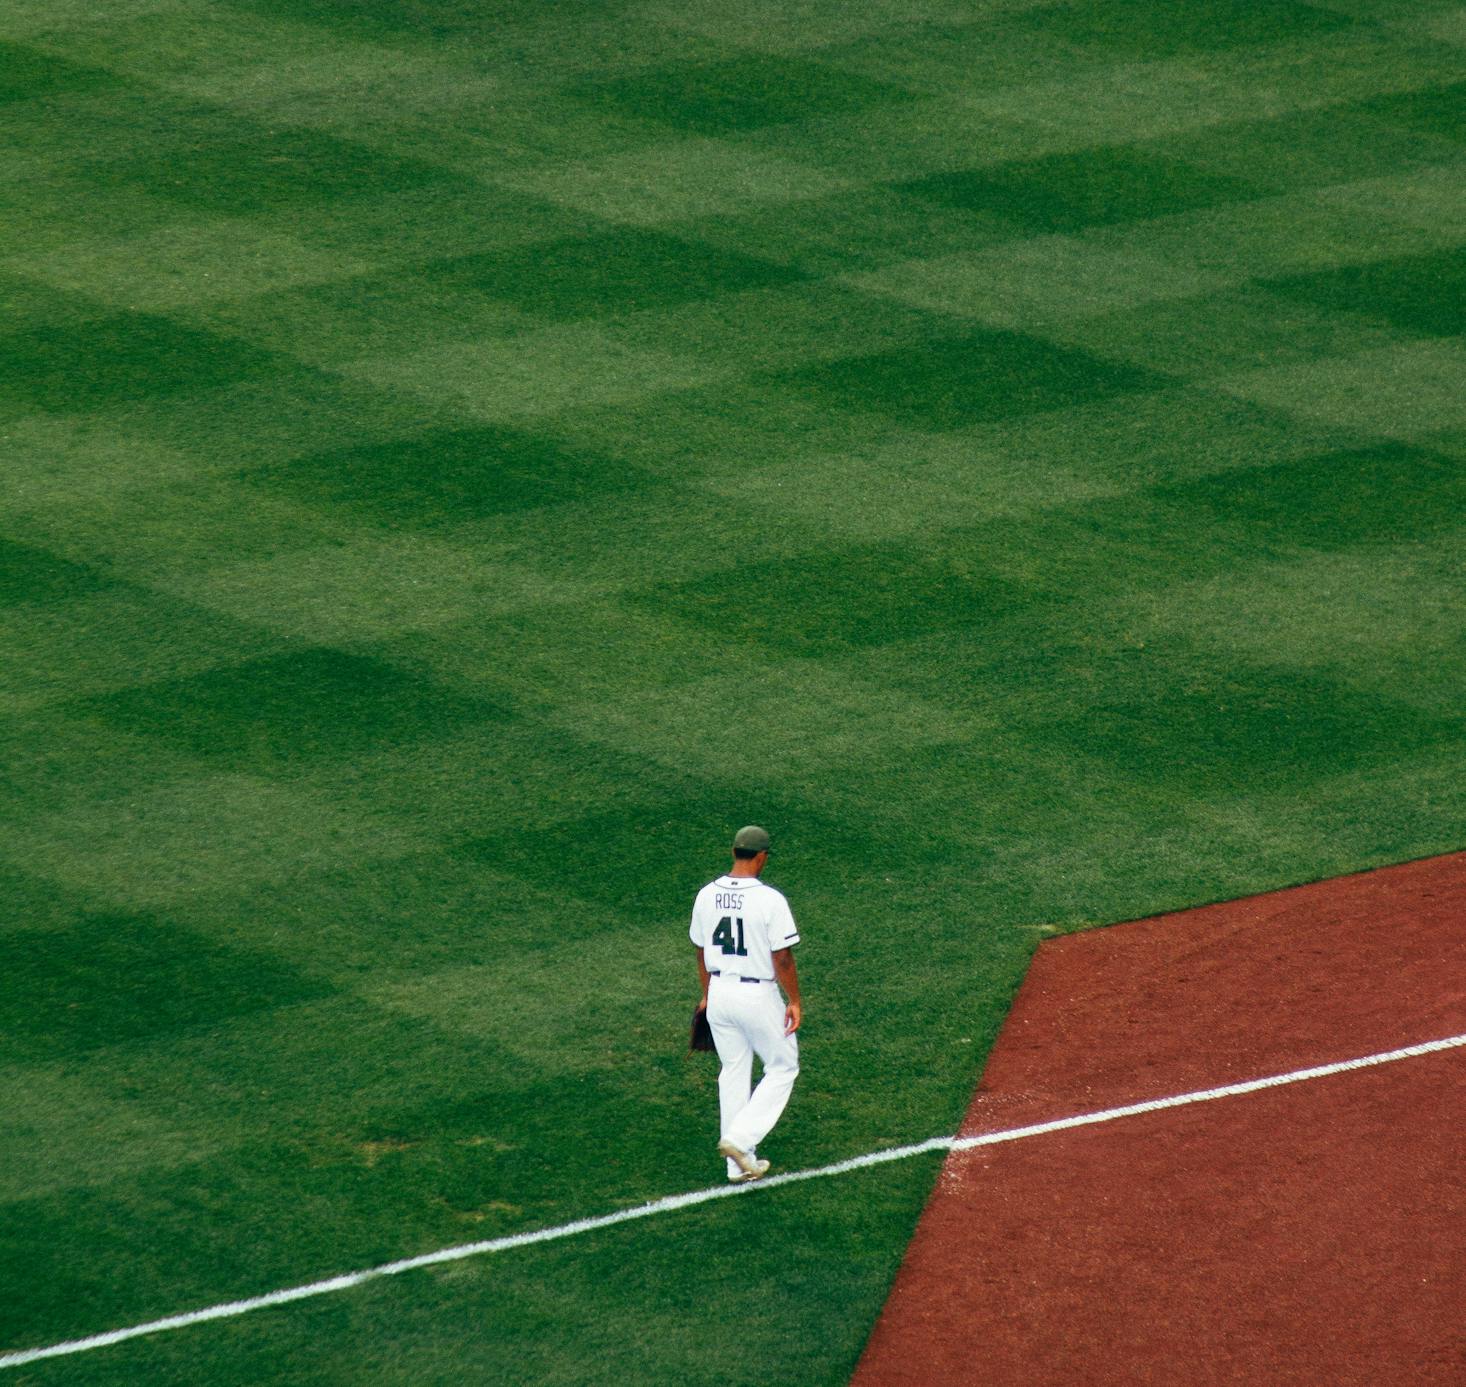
{"points": [[1312, 1235]]}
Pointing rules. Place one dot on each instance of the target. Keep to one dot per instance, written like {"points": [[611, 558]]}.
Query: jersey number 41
{"points": [[723, 936]]}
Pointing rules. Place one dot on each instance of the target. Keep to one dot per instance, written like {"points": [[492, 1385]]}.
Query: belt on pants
{"points": [[736, 977]]}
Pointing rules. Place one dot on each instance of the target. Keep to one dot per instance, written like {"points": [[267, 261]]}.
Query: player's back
{"points": [[740, 923]]}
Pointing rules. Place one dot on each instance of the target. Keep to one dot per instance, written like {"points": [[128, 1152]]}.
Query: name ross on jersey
{"points": [[730, 900]]}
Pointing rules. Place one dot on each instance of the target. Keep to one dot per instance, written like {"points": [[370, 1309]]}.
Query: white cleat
{"points": [[761, 1168], [751, 1167]]}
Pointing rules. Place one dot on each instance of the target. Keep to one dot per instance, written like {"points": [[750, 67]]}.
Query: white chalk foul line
{"points": [[686, 1201], [1207, 1095]]}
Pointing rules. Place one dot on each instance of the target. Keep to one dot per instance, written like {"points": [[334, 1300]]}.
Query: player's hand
{"points": [[793, 1014]]}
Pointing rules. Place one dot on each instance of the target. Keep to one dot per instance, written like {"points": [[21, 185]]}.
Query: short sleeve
{"points": [[783, 932], [695, 930]]}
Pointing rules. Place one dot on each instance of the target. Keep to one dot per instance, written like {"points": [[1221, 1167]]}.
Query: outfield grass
{"points": [[463, 460]]}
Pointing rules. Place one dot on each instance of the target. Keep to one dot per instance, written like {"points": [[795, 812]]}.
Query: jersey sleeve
{"points": [[783, 932], [697, 930]]}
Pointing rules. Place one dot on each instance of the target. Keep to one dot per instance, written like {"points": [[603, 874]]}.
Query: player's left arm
{"points": [[788, 976]]}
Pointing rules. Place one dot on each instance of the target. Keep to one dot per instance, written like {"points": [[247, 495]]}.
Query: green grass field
{"points": [[462, 460]]}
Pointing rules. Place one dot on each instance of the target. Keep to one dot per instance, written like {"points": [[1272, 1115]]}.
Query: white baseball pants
{"points": [[747, 1019]]}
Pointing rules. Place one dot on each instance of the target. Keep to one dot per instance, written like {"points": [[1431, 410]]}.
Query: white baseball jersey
{"points": [[739, 923]]}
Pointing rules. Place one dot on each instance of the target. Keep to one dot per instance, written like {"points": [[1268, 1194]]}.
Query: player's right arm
{"points": [[788, 977], [697, 931], [704, 977]]}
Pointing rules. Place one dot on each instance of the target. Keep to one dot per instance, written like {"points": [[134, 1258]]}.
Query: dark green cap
{"points": [[751, 839]]}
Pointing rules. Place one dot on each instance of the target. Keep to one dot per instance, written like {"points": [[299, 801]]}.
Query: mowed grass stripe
{"points": [[480, 365], [1378, 476], [1045, 108], [1050, 284], [623, 506], [623, 568], [1409, 392], [286, 160], [657, 274], [1213, 142], [1063, 622]]}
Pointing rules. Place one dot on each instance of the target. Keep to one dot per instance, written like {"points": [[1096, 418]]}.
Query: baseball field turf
{"points": [[461, 460]]}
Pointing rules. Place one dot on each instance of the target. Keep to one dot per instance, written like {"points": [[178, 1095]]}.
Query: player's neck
{"points": [[742, 869]]}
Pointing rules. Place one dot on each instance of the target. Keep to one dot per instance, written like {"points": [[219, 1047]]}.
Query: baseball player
{"points": [[745, 934]]}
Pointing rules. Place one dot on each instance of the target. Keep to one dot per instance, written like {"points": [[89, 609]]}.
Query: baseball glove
{"points": [[701, 1035]]}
